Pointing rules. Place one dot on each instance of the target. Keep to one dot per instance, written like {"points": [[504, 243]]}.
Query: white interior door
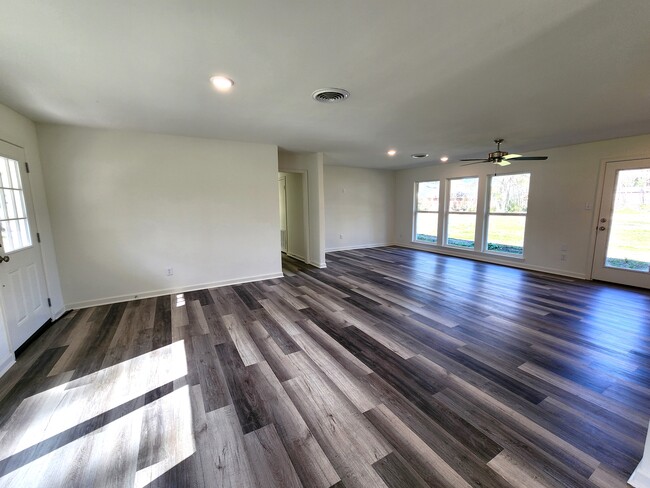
{"points": [[622, 252], [22, 280]]}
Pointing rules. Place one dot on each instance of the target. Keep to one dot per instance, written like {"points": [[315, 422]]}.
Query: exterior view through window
{"points": [[461, 215], [629, 235], [13, 213], [506, 220], [426, 211]]}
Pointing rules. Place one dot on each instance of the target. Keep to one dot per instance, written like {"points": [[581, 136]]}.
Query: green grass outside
{"points": [[629, 245], [630, 235]]}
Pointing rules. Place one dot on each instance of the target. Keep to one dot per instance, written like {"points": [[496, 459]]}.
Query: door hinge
{"points": [[38, 237], [26, 166], [49, 302]]}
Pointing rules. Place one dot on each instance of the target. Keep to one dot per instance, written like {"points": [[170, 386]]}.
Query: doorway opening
{"points": [[294, 214]]}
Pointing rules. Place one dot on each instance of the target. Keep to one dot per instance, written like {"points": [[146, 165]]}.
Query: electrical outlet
{"points": [[564, 247], [170, 271], [563, 257]]}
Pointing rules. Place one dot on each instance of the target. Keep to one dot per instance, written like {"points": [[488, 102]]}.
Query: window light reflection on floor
{"points": [[49, 422]]}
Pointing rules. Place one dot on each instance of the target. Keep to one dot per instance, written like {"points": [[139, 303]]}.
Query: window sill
{"points": [[425, 243], [469, 252]]}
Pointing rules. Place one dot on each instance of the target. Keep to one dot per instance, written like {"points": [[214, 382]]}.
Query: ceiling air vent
{"points": [[330, 95], [419, 155]]}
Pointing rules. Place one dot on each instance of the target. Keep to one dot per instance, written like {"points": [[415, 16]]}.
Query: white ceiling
{"points": [[442, 77]]}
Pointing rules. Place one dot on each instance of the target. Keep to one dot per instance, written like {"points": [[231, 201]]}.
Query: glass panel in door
{"points": [[628, 246]]}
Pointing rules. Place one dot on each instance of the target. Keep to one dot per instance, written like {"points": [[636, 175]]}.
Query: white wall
{"points": [[311, 164], [359, 207], [127, 206], [297, 223], [560, 190]]}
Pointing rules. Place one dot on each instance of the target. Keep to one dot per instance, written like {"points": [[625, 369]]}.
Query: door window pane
{"points": [[629, 234], [13, 215], [507, 216]]}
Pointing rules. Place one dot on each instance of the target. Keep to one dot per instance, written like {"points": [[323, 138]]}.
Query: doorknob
{"points": [[4, 259], [602, 227]]}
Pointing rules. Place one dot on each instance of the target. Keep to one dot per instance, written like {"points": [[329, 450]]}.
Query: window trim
{"points": [[486, 218], [414, 239], [447, 212]]}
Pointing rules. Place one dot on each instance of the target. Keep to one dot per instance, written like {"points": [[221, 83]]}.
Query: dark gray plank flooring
{"points": [[390, 368]]}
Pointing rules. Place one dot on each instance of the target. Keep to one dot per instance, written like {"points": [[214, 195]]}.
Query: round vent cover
{"points": [[419, 155], [330, 95]]}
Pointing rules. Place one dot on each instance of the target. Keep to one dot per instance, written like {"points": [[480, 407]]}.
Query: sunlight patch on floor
{"points": [[49, 425]]}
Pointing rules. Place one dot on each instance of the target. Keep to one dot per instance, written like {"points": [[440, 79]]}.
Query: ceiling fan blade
{"points": [[476, 161], [510, 156], [503, 163], [530, 158]]}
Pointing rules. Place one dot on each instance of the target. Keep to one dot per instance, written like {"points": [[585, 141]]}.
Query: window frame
{"points": [[447, 212], [416, 211], [486, 218]]}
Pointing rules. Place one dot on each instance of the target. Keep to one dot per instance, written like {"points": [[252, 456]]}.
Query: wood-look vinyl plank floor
{"points": [[389, 368]]}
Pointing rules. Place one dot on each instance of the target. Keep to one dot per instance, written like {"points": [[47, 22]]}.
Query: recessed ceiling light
{"points": [[391, 152], [222, 83], [419, 155], [444, 159]]}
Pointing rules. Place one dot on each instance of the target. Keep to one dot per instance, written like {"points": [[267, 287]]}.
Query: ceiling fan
{"points": [[502, 158]]}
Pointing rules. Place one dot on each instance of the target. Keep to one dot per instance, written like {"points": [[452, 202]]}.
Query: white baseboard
{"points": [[7, 363], [488, 258], [298, 257], [169, 291], [641, 476], [318, 265], [56, 315], [639, 479], [359, 246]]}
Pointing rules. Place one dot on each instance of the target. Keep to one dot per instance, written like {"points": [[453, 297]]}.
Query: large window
{"points": [[506, 221], [461, 213], [427, 206]]}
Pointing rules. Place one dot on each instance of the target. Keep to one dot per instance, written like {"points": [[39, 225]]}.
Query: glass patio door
{"points": [[622, 253]]}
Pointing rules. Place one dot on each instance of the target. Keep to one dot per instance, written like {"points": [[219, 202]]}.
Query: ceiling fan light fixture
{"points": [[502, 158]]}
